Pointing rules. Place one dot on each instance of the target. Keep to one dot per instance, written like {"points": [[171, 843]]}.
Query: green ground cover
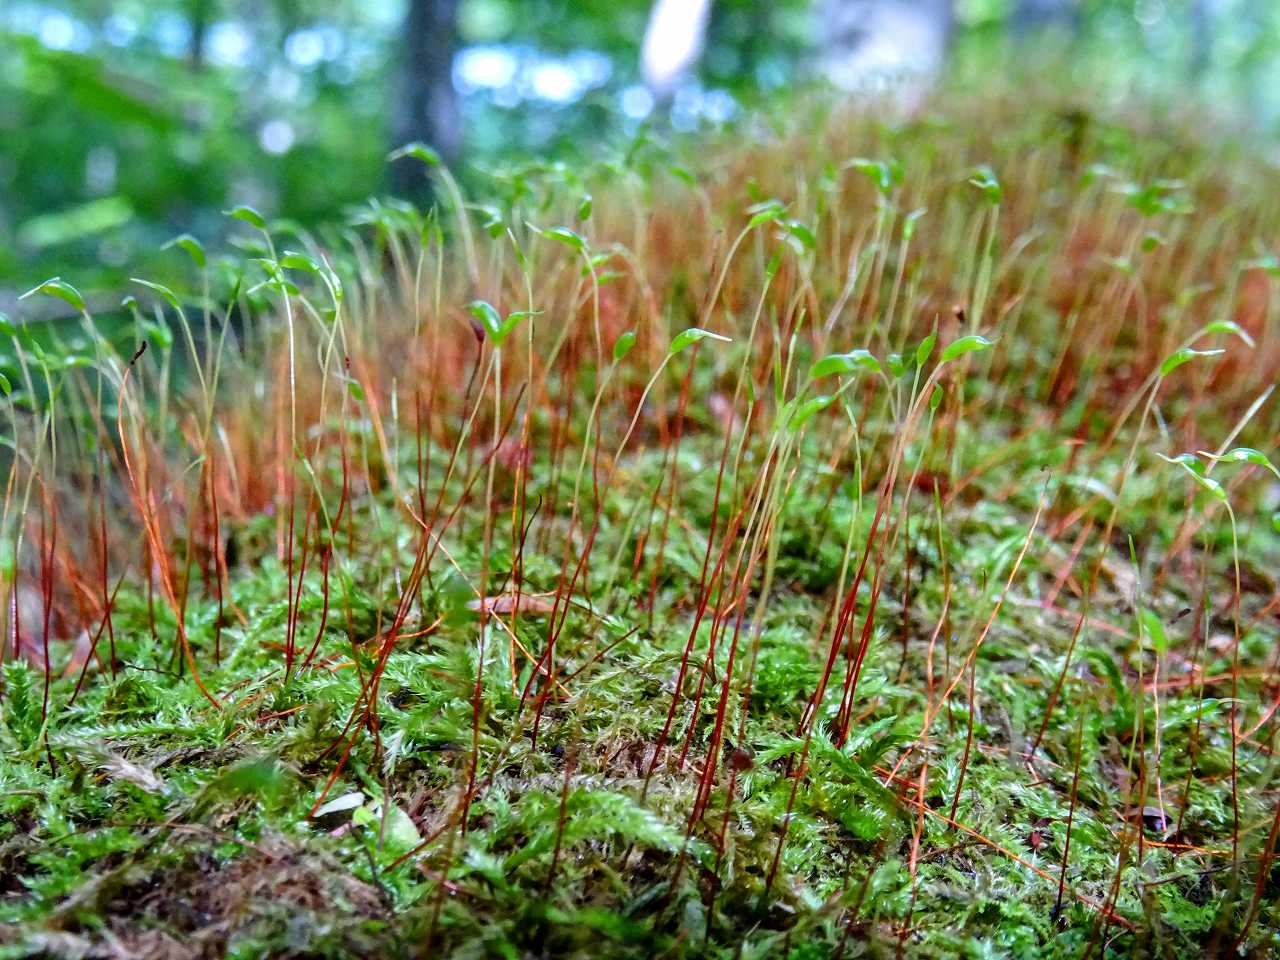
{"points": [[861, 542]]}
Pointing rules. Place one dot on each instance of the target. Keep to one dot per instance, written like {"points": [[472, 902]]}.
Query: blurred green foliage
{"points": [[124, 123]]}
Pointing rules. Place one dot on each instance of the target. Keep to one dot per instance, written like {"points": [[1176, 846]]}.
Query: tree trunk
{"points": [[428, 110], [1032, 15], [201, 14], [867, 45], [1201, 18], [673, 42], [883, 45]]}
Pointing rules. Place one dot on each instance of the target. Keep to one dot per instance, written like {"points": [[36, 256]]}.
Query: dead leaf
{"points": [[537, 604], [1153, 818], [115, 766], [79, 654]]}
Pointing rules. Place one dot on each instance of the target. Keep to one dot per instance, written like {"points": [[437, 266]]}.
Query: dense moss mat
{"points": [[917, 651]]}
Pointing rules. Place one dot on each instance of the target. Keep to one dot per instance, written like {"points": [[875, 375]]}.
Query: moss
{"points": [[534, 781]]}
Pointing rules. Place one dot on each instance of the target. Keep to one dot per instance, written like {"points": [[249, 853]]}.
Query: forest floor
{"points": [[434, 594]]}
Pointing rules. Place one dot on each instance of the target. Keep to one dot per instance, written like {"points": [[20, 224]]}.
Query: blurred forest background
{"points": [[124, 122]]}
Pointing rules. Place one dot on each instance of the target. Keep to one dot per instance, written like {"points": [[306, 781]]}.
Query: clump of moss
{"points": [[823, 555]]}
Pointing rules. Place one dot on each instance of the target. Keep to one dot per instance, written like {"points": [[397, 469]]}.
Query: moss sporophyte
{"points": [[857, 542]]}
